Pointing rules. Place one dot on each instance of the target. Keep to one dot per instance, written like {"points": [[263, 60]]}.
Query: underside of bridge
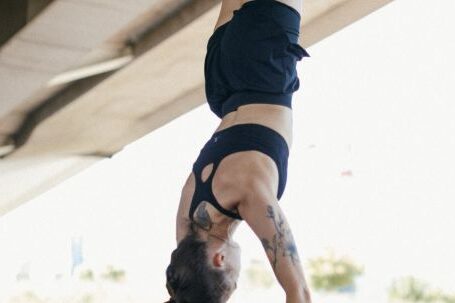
{"points": [[81, 79]]}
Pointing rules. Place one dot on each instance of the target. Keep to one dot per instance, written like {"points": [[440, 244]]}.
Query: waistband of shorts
{"points": [[268, 2], [262, 134]]}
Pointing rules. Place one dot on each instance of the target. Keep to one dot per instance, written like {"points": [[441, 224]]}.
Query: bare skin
{"points": [[252, 193]]}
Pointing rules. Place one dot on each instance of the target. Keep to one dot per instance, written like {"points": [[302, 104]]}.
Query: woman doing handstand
{"points": [[240, 173]]}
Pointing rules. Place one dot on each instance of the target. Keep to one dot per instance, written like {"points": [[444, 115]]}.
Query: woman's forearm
{"points": [[300, 294], [267, 220], [292, 280], [295, 299]]}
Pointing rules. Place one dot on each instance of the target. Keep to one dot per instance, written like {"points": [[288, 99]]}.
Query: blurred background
{"points": [[370, 193]]}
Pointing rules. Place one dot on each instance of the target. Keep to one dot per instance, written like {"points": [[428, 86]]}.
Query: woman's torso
{"points": [[277, 117]]}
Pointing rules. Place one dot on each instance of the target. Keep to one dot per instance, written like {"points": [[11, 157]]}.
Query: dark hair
{"points": [[190, 279]]}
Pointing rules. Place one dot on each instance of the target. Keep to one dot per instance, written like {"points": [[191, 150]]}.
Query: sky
{"points": [[371, 171]]}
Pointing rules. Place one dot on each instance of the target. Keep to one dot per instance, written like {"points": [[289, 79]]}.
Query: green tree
{"points": [[86, 275], [333, 274], [412, 290], [114, 274], [409, 289]]}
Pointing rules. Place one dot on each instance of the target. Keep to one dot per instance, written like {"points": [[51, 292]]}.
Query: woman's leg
{"points": [[182, 219]]}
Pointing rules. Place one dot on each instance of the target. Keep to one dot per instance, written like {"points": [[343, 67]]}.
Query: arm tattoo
{"points": [[282, 241], [202, 218]]}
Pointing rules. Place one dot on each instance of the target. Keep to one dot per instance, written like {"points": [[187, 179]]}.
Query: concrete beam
{"points": [[139, 44], [13, 16], [66, 35], [320, 19], [101, 115], [34, 7], [24, 179], [335, 16]]}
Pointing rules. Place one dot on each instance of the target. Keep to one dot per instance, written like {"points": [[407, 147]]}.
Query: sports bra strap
{"points": [[203, 192]]}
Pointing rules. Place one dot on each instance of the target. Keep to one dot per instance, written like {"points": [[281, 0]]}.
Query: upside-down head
{"points": [[203, 271]]}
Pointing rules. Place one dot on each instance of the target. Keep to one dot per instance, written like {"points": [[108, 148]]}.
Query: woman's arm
{"points": [[261, 211], [182, 221]]}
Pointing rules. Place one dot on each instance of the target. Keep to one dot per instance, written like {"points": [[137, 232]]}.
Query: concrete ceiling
{"points": [[159, 46]]}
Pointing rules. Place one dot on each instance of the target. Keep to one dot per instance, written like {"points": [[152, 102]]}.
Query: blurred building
{"points": [[77, 257]]}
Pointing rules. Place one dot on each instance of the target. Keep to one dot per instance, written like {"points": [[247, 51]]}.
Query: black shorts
{"points": [[252, 58]]}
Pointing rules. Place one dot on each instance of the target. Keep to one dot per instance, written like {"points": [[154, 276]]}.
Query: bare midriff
{"points": [[276, 117]]}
